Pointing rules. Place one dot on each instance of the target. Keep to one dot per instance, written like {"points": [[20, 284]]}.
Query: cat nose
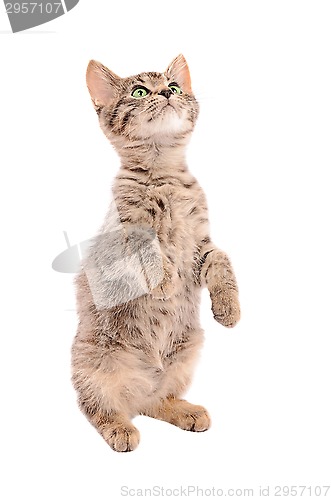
{"points": [[166, 93]]}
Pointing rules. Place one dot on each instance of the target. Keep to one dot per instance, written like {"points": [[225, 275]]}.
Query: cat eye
{"points": [[174, 88], [139, 92]]}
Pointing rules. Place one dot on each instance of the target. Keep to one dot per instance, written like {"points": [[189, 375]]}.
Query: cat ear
{"points": [[178, 72], [102, 84]]}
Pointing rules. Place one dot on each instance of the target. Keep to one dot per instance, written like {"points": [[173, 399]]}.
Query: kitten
{"points": [[139, 333]]}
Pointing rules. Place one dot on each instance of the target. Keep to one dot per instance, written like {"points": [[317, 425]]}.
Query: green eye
{"points": [[175, 89], [139, 92]]}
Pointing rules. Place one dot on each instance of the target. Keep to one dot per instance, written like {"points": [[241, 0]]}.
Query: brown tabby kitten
{"points": [[139, 333]]}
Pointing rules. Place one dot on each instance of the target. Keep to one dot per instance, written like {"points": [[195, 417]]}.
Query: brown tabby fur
{"points": [[137, 357]]}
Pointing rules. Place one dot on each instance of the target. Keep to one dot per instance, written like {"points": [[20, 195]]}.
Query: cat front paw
{"points": [[164, 290], [225, 307], [167, 287]]}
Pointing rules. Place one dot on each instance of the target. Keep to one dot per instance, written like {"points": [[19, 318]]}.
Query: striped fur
{"points": [[137, 357]]}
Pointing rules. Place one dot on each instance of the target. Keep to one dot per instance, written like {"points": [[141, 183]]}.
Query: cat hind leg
{"points": [[181, 413], [116, 429]]}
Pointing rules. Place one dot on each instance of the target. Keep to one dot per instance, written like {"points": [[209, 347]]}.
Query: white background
{"points": [[261, 151]]}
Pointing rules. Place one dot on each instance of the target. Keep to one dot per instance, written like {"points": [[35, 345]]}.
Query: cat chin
{"points": [[162, 130], [168, 123]]}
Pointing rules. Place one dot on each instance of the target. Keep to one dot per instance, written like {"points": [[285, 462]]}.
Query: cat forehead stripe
{"points": [[147, 78]]}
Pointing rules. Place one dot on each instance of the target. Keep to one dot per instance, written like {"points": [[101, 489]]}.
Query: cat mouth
{"points": [[166, 107]]}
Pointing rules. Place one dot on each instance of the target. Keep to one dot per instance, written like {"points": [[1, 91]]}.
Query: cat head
{"points": [[157, 108]]}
